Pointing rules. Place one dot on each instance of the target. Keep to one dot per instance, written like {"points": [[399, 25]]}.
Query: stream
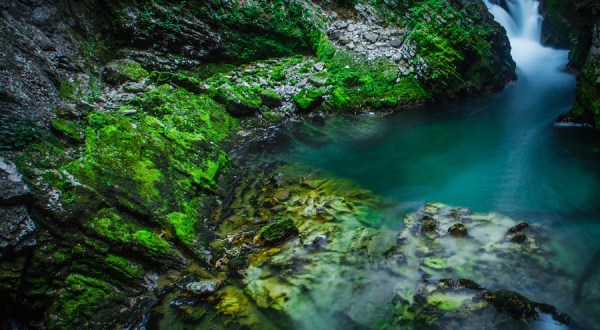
{"points": [[500, 152]]}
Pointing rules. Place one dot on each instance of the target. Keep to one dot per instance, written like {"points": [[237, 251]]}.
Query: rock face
{"points": [[587, 99], [17, 227]]}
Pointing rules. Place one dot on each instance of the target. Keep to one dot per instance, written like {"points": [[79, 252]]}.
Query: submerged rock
{"points": [[458, 230], [512, 303], [16, 226], [277, 232], [204, 288]]}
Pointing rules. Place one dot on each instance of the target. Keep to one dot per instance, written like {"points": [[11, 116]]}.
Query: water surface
{"points": [[499, 152]]}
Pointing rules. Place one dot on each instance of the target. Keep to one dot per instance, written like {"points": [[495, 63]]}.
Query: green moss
{"points": [[183, 80], [16, 133], [279, 231], [185, 227], [134, 71], [358, 83], [308, 98], [152, 242], [266, 29], [122, 267], [240, 99], [462, 49], [67, 90], [68, 129], [124, 234], [270, 98], [445, 301], [79, 299]]}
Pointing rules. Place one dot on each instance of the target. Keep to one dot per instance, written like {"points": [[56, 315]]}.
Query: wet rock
{"points": [[429, 226], [16, 228], [282, 195], [519, 238], [12, 188], [278, 232], [204, 288], [458, 230], [512, 303], [518, 227], [237, 265]]}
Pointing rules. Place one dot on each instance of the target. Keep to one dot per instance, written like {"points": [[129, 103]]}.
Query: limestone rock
{"points": [[16, 228], [12, 188], [204, 288]]}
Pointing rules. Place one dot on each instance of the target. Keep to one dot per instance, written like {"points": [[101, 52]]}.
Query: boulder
{"points": [[204, 287], [458, 230], [12, 188], [16, 228]]}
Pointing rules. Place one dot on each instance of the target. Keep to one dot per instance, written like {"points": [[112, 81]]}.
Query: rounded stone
{"points": [[458, 230]]}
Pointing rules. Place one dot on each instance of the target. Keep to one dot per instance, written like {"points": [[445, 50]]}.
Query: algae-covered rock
{"points": [[278, 232], [512, 303], [458, 230], [240, 100], [308, 99], [121, 71]]}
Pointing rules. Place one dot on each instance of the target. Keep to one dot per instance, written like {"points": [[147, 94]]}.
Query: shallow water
{"points": [[500, 152]]}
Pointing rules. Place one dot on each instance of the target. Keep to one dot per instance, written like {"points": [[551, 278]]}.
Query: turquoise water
{"points": [[499, 152]]}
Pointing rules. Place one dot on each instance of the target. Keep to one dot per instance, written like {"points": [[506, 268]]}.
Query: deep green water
{"points": [[500, 152]]}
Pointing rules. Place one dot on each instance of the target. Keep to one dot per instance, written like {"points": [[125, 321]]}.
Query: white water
{"points": [[522, 21]]}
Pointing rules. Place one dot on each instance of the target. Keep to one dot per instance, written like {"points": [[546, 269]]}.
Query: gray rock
{"points": [[342, 25], [16, 228], [12, 188], [371, 37], [204, 288], [344, 39], [396, 42], [319, 79], [319, 66], [334, 34]]}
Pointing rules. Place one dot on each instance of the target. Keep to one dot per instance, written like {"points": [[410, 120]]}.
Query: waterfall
{"points": [[521, 21]]}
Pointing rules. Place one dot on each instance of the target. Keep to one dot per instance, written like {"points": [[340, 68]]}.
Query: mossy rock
{"points": [[79, 299], [278, 232], [123, 70], [240, 100], [519, 238], [270, 98], [308, 99], [458, 230], [67, 129], [512, 303], [429, 226]]}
